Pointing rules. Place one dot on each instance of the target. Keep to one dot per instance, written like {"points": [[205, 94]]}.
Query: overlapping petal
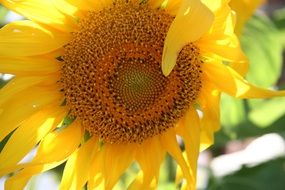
{"points": [[28, 66], [77, 167], [90, 4], [15, 36], [115, 156], [155, 3], [172, 6], [184, 30], [118, 157], [228, 80], [29, 134], [149, 156], [170, 144], [43, 11], [244, 9], [189, 129], [19, 180], [62, 142], [23, 105], [209, 101], [221, 36]]}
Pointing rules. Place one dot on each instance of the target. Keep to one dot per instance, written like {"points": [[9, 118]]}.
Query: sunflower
{"points": [[129, 77], [244, 10]]}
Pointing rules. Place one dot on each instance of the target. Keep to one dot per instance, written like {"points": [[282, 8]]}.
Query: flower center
{"points": [[112, 79], [137, 81]]}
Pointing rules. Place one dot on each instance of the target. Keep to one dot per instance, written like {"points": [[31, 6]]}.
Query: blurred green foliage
{"points": [[279, 21], [3, 13], [261, 43]]}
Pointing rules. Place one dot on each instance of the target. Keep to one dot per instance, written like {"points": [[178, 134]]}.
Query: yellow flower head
{"points": [[131, 74]]}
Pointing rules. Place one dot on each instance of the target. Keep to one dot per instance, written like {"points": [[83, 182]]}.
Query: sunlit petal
{"points": [[189, 16], [170, 144], [78, 165], [28, 66], [43, 11], [189, 129], [209, 100], [24, 104], [29, 134], [235, 84], [149, 156], [15, 36]]}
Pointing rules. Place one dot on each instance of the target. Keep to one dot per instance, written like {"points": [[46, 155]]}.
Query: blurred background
{"points": [[249, 150]]}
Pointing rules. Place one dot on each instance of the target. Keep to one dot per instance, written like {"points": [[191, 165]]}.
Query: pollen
{"points": [[112, 79]]}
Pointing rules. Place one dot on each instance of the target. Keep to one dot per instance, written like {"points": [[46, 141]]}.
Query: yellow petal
{"points": [[59, 145], [189, 130], [29, 134], [172, 6], [209, 100], [90, 4], [28, 66], [149, 156], [224, 21], [54, 148], [18, 84], [244, 9], [109, 164], [140, 183], [137, 183], [229, 81], [118, 157], [26, 38], [185, 28], [170, 144], [66, 8], [78, 165], [96, 175], [83, 4], [100, 4], [155, 3], [215, 45], [22, 105], [221, 36], [43, 11], [20, 180]]}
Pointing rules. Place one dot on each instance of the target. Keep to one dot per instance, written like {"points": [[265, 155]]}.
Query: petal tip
{"points": [[168, 62]]}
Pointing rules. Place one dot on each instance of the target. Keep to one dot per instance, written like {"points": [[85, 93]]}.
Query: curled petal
{"points": [[192, 21], [228, 80]]}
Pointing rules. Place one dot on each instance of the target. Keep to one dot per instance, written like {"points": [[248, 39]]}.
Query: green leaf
{"points": [[167, 186], [279, 21], [232, 111], [2, 83], [3, 13], [267, 113], [278, 18], [261, 43]]}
